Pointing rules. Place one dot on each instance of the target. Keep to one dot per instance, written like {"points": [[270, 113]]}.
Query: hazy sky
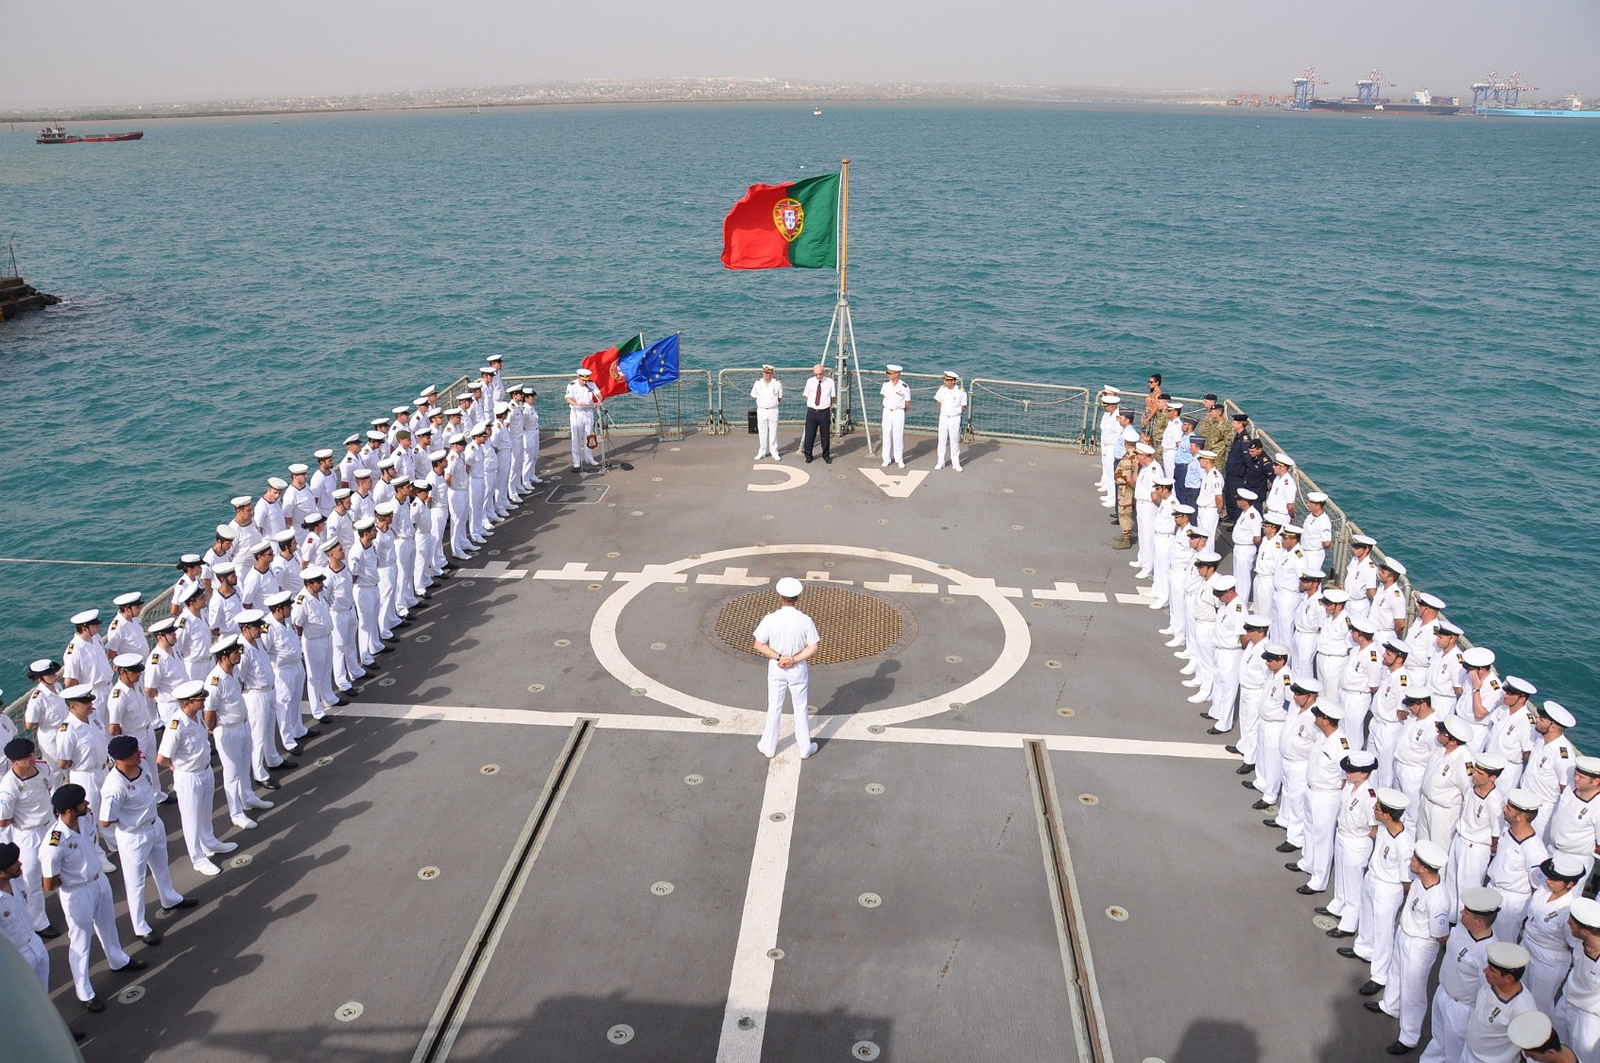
{"points": [[71, 52]]}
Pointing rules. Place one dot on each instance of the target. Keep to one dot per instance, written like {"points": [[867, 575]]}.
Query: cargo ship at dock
{"points": [[1574, 109], [1421, 102]]}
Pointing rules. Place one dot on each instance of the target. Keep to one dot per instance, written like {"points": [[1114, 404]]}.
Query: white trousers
{"points": [[1143, 516], [582, 422], [422, 551], [38, 959], [1579, 1029], [767, 431], [319, 674], [1161, 569], [144, 852], [1204, 648], [29, 842], [460, 505], [1269, 759], [1292, 805], [1380, 905], [517, 463], [368, 617], [1382, 737], [502, 485], [796, 683], [894, 436], [91, 912], [1547, 969], [1244, 568], [1107, 484], [440, 535], [258, 706], [530, 457], [950, 440], [1282, 627], [1249, 721], [346, 648], [1322, 821], [233, 751], [91, 781], [1449, 1029], [1177, 603], [288, 688], [1350, 856], [1225, 686], [478, 503], [388, 606], [1330, 671], [1467, 867], [195, 790], [1405, 995], [1437, 823], [405, 558]]}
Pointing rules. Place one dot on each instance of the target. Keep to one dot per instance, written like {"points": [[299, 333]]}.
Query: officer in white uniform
{"points": [[1382, 890], [767, 393], [128, 800], [165, 671], [530, 437], [1109, 432], [951, 398], [1318, 538], [1445, 782], [288, 670], [896, 401], [1246, 534], [1461, 972], [582, 400], [256, 681], [126, 634], [788, 639], [1228, 653], [1324, 783], [186, 752], [1163, 527], [1574, 824], [479, 458], [1424, 922], [1551, 764], [16, 904], [69, 864], [1281, 492], [1208, 504], [1578, 1014], [228, 719], [1478, 828], [25, 816], [311, 616], [81, 754], [1361, 575], [1389, 601], [1352, 840], [1517, 858], [324, 481], [364, 574], [1170, 436], [464, 539], [1333, 644], [85, 659]]}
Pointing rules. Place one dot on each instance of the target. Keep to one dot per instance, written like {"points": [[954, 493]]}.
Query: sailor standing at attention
{"points": [[896, 401], [1578, 1014], [228, 719], [25, 817], [1246, 536], [582, 399], [951, 399], [1361, 576], [16, 896], [1461, 973], [1110, 432], [1281, 493], [819, 394], [768, 393], [186, 752], [1171, 433], [128, 800], [1423, 926], [788, 639]]}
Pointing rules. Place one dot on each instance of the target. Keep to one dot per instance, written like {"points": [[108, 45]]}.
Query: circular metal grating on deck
{"points": [[852, 624]]}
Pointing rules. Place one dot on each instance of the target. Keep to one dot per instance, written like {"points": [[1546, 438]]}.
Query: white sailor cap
{"points": [[385, 509], [1585, 911], [225, 568], [421, 485], [193, 690], [1432, 601], [277, 483], [475, 385], [495, 358], [1396, 644], [892, 368], [767, 367], [1245, 492], [1257, 620], [377, 436], [481, 428], [1430, 853], [1335, 596], [1130, 435], [313, 574], [486, 369], [226, 531], [1209, 454], [1359, 760], [1478, 657], [1526, 800], [458, 413], [363, 474], [284, 537], [1223, 584], [1530, 1031], [401, 481], [1290, 528], [1184, 508], [949, 375], [224, 644], [313, 520], [1306, 684], [87, 616], [386, 463], [1515, 684], [248, 617], [1317, 496], [1331, 709], [1109, 397], [401, 411], [280, 598], [1162, 480], [77, 692], [1481, 899], [1364, 625], [354, 438], [425, 431], [1277, 518], [1456, 728], [789, 587], [1393, 566], [131, 598], [1274, 649], [1363, 540], [341, 493], [1196, 531], [1208, 557], [162, 626], [1280, 458], [322, 455], [439, 455], [298, 469], [458, 440], [430, 390], [1174, 405], [1392, 799], [1494, 762], [240, 501], [1312, 572], [191, 592], [502, 408], [1445, 627], [365, 524], [1589, 766], [128, 660], [263, 547], [1145, 448]]}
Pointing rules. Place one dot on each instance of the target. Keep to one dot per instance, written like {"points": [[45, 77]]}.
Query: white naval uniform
{"points": [[1577, 1017], [1272, 713], [193, 645], [1286, 596], [1385, 727], [15, 926], [1363, 671], [1207, 514], [1389, 608], [288, 680], [1170, 435], [1299, 739], [1352, 851], [1485, 1038], [69, 856], [26, 803], [1246, 529], [254, 673], [1281, 493], [1253, 676], [1110, 433], [767, 394], [128, 806], [1460, 975], [126, 635], [1424, 919], [952, 402], [1548, 773], [1549, 942], [1309, 614], [1318, 529], [1382, 893], [311, 615], [1333, 654], [187, 746], [1144, 513], [1477, 832], [1574, 827], [1511, 872], [389, 608], [1445, 784], [46, 712], [83, 743], [896, 397], [1360, 578], [164, 673], [1228, 656], [1324, 785], [231, 733], [1165, 528], [787, 631], [1268, 553], [341, 596], [85, 661], [530, 444], [582, 397], [364, 574], [458, 498]]}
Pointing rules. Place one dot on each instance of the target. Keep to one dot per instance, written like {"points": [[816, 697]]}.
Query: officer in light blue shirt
{"points": [[1184, 465]]}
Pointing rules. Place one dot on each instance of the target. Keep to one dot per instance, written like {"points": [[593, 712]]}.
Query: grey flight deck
{"points": [[671, 848]]}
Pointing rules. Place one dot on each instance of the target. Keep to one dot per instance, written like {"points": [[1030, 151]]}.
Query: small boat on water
{"points": [[55, 134]]}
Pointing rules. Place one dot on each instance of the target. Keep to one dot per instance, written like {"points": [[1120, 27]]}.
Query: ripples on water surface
{"points": [[1409, 304]]}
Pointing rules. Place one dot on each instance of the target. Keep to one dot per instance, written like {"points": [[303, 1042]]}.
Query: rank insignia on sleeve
{"points": [[215, 680], [174, 726], [1344, 743], [62, 729], [55, 837], [1402, 679]]}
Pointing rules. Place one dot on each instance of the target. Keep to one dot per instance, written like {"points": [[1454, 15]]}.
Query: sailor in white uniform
{"points": [[256, 681], [788, 639], [1578, 1014], [1109, 433], [1246, 534], [324, 481], [1333, 646], [1170, 437], [1281, 492], [896, 401], [1461, 972], [269, 519], [1574, 824], [25, 816], [45, 712], [364, 574], [464, 539], [530, 433], [767, 393], [1424, 922], [288, 670], [126, 633], [16, 902], [583, 398], [128, 800], [228, 719], [186, 752], [81, 755], [1318, 538], [1361, 575], [85, 660], [951, 398], [1517, 858], [1382, 890]]}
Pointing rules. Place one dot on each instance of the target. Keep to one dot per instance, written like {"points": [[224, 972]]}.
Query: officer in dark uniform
{"points": [[1257, 468], [1234, 466]]}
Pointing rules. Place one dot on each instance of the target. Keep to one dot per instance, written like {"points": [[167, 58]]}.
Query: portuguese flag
{"points": [[783, 226], [603, 364]]}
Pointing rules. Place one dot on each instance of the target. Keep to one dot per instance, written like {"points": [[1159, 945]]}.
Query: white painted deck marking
{"points": [[895, 486], [827, 577], [750, 984], [732, 577], [793, 477], [573, 570], [900, 582], [651, 574], [1132, 599], [1069, 592], [983, 586], [493, 570]]}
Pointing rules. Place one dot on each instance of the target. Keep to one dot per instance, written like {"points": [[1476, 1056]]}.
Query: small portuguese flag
{"points": [[782, 226]]}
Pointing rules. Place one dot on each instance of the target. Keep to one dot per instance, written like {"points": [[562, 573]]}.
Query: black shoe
{"points": [[1248, 785], [131, 967], [1321, 910], [1261, 804], [311, 732], [1337, 933], [49, 933], [1274, 823], [341, 701], [94, 1005], [1289, 847], [270, 784], [1234, 750], [1293, 865], [1205, 715], [183, 905], [1373, 1006], [287, 765], [1369, 988], [808, 459], [1400, 1048], [1216, 731], [1349, 953], [1307, 891], [152, 938], [77, 1035], [1245, 769], [828, 458]]}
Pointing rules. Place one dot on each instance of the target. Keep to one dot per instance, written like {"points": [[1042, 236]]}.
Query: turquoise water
{"points": [[1410, 306]]}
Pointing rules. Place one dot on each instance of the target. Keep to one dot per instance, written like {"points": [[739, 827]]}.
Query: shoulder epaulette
{"points": [[117, 693], [1494, 684], [63, 727], [1344, 743], [55, 837], [215, 680], [174, 726], [1403, 679]]}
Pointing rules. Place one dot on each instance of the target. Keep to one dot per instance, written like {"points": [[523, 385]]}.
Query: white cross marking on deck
{"points": [[732, 577], [980, 586], [493, 570], [1069, 592], [792, 478], [1132, 599], [651, 574], [896, 486], [750, 984], [827, 577], [573, 570], [900, 582]]}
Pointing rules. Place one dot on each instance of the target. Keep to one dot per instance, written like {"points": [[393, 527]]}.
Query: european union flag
{"points": [[648, 369]]}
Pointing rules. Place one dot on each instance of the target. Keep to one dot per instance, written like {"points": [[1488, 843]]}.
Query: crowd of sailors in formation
{"points": [[300, 590], [1441, 803]]}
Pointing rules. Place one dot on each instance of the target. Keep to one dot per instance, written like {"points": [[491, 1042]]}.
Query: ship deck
{"points": [[543, 831]]}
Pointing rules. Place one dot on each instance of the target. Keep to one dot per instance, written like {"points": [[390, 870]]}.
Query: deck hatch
{"points": [[853, 624], [576, 494]]}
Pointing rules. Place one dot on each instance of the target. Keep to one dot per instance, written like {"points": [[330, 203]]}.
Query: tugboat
{"points": [[55, 134]]}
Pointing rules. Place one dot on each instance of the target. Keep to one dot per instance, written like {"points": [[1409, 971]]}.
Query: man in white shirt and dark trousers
{"points": [[820, 395], [788, 639]]}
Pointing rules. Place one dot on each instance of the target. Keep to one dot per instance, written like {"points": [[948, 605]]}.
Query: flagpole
{"points": [[841, 326]]}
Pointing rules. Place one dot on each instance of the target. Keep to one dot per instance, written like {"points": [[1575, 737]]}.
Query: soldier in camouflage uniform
{"points": [[1127, 471], [1214, 430]]}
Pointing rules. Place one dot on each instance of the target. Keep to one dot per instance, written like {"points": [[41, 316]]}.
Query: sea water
{"points": [[1408, 304]]}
